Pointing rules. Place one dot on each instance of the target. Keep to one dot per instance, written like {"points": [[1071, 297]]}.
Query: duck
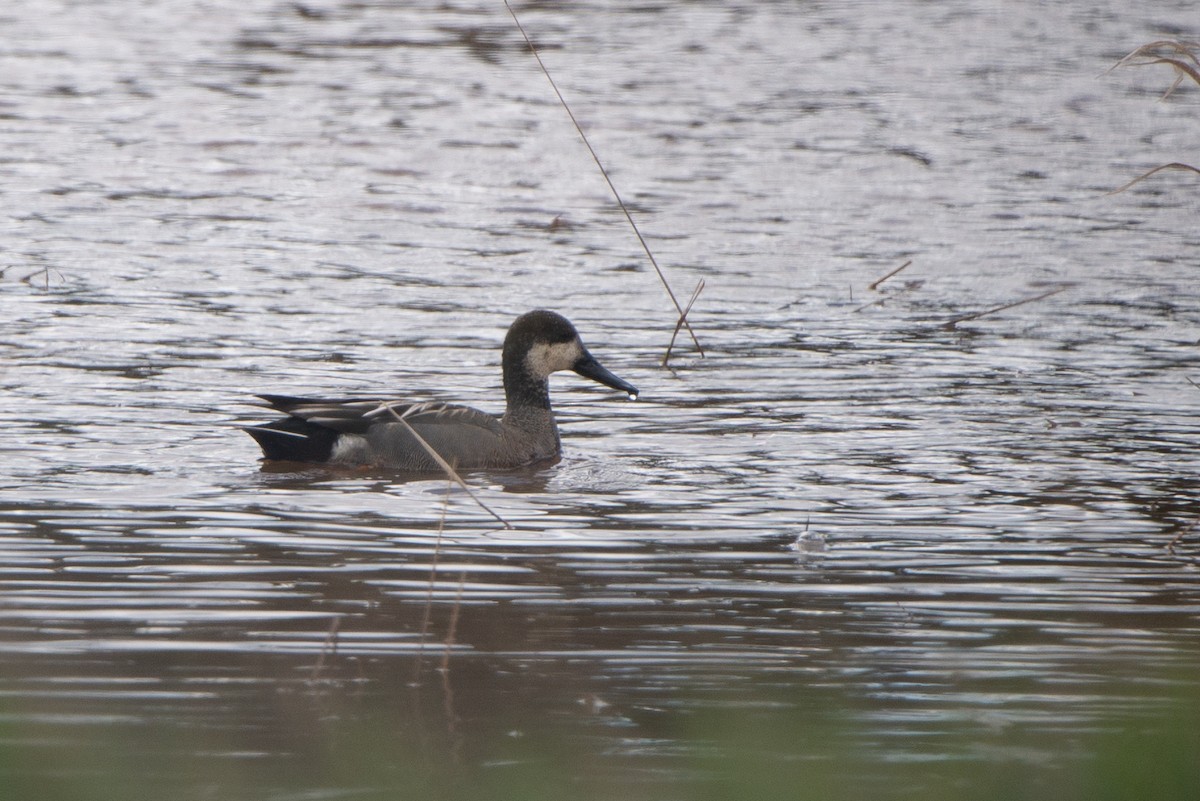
{"points": [[378, 432]]}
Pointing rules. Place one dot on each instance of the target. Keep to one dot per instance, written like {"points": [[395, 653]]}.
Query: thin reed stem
{"points": [[875, 284], [442, 463], [976, 315], [1175, 165], [1150, 54], [611, 186], [912, 287], [683, 321]]}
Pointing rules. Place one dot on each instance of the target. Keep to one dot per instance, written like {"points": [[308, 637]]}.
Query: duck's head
{"points": [[543, 342]]}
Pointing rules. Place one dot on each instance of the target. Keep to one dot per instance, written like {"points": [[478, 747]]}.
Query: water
{"points": [[849, 543]]}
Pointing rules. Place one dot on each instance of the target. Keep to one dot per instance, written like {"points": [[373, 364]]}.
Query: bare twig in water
{"points": [[682, 321], [1175, 165], [875, 284], [442, 463], [611, 186], [950, 324]]}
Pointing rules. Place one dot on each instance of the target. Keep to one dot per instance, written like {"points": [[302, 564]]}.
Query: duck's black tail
{"points": [[294, 440]]}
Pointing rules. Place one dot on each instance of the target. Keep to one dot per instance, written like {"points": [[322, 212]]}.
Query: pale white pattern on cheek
{"points": [[544, 359]]}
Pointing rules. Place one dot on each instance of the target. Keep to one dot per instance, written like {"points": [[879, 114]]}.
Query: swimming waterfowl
{"points": [[375, 431]]}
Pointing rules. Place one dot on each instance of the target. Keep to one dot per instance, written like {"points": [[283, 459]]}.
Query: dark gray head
{"points": [[543, 342]]}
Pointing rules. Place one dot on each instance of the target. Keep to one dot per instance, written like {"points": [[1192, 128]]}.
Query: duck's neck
{"points": [[521, 389], [522, 392], [530, 412]]}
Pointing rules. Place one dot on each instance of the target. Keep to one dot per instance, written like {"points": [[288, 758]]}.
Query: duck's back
{"points": [[378, 433], [464, 437]]}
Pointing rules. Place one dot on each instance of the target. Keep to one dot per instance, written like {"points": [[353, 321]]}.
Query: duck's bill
{"points": [[588, 367]]}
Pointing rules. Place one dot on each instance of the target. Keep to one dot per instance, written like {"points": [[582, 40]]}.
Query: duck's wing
{"points": [[344, 415], [436, 418], [460, 435], [312, 427], [373, 431], [438, 422]]}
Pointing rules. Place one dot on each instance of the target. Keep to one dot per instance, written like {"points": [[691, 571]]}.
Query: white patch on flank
{"points": [[349, 449], [544, 358]]}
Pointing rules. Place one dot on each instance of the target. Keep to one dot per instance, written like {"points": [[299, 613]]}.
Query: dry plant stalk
{"points": [[683, 321], [612, 188], [911, 286], [441, 462], [875, 284], [1174, 165], [975, 315], [874, 287], [1180, 56], [1183, 58]]}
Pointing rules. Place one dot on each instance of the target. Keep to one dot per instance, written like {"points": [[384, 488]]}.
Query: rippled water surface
{"points": [[850, 548]]}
